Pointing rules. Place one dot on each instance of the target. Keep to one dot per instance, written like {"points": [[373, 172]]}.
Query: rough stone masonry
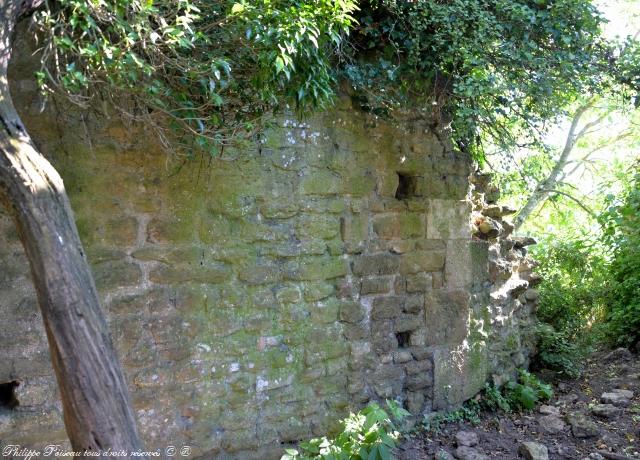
{"points": [[257, 297]]}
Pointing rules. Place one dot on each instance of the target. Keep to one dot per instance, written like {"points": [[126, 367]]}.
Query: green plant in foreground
{"points": [[527, 392], [493, 399], [469, 412], [519, 395], [368, 435]]}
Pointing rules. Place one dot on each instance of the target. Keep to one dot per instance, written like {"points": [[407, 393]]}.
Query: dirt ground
{"points": [[568, 425]]}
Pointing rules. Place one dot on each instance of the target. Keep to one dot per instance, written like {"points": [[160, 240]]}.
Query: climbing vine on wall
{"points": [[491, 70]]}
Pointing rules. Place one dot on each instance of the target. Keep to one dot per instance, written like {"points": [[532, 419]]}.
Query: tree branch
{"points": [[577, 201]]}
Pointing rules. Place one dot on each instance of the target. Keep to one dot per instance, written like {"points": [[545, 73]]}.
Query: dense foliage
{"points": [[211, 68], [369, 434], [572, 299], [592, 283], [622, 235], [492, 67]]}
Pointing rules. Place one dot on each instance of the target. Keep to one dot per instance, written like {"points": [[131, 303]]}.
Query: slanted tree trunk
{"points": [[548, 185], [96, 403]]}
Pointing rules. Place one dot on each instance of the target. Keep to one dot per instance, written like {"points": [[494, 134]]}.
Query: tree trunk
{"points": [[96, 403], [548, 185]]}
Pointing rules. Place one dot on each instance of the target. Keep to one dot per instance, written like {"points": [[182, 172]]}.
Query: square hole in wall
{"points": [[8, 398], [407, 186], [403, 339]]}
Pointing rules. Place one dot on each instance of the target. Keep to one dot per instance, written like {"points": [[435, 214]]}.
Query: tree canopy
{"points": [[490, 69]]}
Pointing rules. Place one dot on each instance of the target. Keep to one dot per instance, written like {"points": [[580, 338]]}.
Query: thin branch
{"points": [[577, 201]]}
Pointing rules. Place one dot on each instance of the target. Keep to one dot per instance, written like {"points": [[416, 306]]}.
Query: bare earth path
{"points": [[593, 417]]}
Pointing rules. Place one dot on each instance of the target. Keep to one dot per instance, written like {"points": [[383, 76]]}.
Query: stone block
{"points": [[412, 225], [447, 317], [388, 184], [422, 261], [321, 182], [190, 273], [385, 204], [351, 312], [317, 290], [459, 372], [386, 226], [291, 250], [360, 185], [354, 231], [167, 231], [379, 264], [413, 304], [386, 380], [325, 312], [419, 381], [418, 367], [419, 283], [448, 219], [382, 337], [402, 356], [120, 232], [260, 274], [376, 285], [315, 268], [355, 331], [431, 245], [317, 226], [404, 322], [386, 307], [415, 402], [459, 269], [288, 294], [115, 274]]}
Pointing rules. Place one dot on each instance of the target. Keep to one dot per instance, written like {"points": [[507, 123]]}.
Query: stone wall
{"points": [[256, 297]]}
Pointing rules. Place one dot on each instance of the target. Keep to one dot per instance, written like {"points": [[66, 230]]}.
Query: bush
{"points": [[573, 298], [493, 400], [622, 235], [560, 351], [523, 394], [527, 392], [368, 435], [469, 412]]}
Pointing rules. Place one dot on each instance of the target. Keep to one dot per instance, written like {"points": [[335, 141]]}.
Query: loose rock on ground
{"points": [[594, 417]]}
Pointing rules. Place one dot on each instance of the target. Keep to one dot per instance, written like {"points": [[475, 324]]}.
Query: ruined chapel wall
{"points": [[256, 297]]}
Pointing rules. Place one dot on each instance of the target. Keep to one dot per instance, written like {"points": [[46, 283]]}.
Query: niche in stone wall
{"points": [[8, 398], [403, 338], [407, 187]]}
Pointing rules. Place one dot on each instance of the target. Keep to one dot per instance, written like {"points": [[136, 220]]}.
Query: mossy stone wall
{"points": [[258, 296]]}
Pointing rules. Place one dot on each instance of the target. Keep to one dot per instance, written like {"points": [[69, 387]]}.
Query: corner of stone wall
{"points": [[501, 301], [505, 292]]}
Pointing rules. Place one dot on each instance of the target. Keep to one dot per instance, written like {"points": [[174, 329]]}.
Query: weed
{"points": [[369, 434]]}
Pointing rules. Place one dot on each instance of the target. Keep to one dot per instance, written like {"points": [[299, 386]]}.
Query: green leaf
{"points": [[237, 8]]}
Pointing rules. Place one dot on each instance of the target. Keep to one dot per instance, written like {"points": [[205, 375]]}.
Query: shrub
{"points": [[493, 399], [469, 412], [560, 351], [368, 435], [622, 235], [519, 395], [523, 394], [527, 392], [573, 297]]}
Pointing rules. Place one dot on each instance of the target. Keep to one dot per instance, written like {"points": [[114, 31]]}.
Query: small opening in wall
{"points": [[8, 398], [403, 339], [406, 186]]}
